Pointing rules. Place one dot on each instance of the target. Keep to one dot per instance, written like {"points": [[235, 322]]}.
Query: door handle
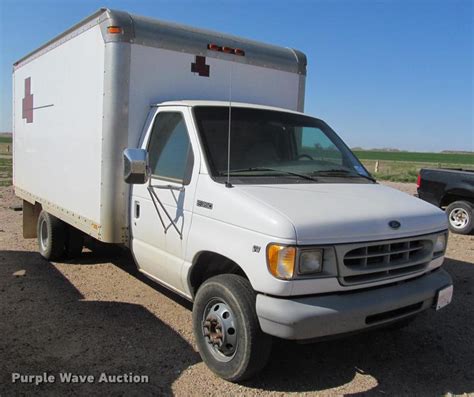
{"points": [[137, 209]]}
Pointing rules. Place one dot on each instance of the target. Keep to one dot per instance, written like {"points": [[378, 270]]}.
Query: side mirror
{"points": [[135, 166]]}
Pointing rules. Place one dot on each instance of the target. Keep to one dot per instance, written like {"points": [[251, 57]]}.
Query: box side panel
{"points": [[58, 102], [158, 75]]}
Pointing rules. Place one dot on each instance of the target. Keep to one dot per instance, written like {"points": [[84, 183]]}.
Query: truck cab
{"points": [[274, 200]]}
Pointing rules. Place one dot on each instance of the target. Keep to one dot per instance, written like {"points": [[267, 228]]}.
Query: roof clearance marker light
{"points": [[114, 29], [227, 50], [213, 47]]}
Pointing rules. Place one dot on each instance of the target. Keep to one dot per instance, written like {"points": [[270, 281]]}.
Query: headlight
{"points": [[281, 260], [310, 261], [440, 244]]}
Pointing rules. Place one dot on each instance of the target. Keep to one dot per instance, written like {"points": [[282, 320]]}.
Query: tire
{"points": [[460, 217], [228, 301], [74, 242], [51, 233]]}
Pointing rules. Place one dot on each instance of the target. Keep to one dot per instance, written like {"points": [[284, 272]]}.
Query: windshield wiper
{"points": [[343, 172], [304, 176], [333, 171]]}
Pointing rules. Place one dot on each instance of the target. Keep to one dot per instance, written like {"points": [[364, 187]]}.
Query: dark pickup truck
{"points": [[453, 190]]}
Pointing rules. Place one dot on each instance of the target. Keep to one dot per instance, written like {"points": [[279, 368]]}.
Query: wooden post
{"points": [[376, 166]]}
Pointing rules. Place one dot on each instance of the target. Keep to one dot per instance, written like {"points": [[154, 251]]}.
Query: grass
{"points": [[399, 166], [405, 166], [5, 139], [6, 148], [404, 171], [441, 158], [6, 171], [5, 162], [408, 176]]}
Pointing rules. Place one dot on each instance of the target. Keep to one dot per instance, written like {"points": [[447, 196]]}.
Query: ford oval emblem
{"points": [[394, 224]]}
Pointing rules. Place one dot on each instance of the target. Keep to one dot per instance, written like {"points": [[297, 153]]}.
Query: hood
{"points": [[339, 213]]}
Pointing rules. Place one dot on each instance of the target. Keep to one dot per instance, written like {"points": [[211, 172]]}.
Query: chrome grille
{"points": [[385, 254], [369, 262]]}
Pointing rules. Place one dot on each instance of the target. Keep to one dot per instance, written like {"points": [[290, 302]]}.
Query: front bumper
{"points": [[332, 314]]}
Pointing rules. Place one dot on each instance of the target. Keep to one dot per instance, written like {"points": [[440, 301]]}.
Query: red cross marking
{"points": [[200, 67], [27, 102]]}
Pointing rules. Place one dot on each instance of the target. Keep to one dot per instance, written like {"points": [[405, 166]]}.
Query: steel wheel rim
{"points": [[44, 235], [219, 330], [458, 218]]}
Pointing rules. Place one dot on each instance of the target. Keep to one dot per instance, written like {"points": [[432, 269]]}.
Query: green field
{"points": [[5, 139], [442, 158], [405, 166]]}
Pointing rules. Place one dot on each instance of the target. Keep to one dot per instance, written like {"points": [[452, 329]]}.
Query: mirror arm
{"points": [[152, 193], [156, 200], [169, 187]]}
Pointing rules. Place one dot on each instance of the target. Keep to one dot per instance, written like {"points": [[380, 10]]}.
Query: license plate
{"points": [[444, 297]]}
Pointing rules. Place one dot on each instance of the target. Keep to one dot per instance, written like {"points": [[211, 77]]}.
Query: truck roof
{"points": [[177, 37], [192, 103]]}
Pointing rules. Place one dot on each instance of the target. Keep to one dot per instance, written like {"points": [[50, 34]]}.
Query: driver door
{"points": [[158, 247]]}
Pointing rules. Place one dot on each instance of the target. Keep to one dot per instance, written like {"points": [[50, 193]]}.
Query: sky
{"points": [[382, 73]]}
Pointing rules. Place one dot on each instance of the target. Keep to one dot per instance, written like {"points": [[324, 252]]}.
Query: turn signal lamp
{"points": [[281, 261], [440, 245]]}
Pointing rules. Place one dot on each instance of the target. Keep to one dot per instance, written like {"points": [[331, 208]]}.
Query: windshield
{"points": [[266, 143]]}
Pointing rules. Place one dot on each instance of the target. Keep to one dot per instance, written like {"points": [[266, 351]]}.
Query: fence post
{"points": [[376, 166]]}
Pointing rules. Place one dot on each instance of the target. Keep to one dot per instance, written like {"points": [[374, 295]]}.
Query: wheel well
{"points": [[451, 198], [209, 264]]}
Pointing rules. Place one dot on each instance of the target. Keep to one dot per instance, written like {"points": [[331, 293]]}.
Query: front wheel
{"points": [[227, 330], [460, 217]]}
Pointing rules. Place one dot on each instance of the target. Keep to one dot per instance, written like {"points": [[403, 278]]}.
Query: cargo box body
{"points": [[82, 98]]}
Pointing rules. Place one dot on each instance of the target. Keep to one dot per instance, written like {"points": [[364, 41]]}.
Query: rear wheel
{"points": [[460, 217], [74, 242], [226, 328], [51, 233]]}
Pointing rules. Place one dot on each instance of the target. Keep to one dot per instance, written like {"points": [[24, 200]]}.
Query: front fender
{"points": [[245, 247]]}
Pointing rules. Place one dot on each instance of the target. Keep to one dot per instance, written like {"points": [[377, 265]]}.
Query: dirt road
{"points": [[98, 315]]}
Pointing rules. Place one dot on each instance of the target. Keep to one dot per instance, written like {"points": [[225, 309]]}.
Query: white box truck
{"points": [[190, 148]]}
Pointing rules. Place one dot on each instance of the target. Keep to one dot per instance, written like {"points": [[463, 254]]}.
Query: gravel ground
{"points": [[98, 315]]}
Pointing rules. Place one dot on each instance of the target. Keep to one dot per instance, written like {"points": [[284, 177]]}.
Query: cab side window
{"points": [[170, 152]]}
